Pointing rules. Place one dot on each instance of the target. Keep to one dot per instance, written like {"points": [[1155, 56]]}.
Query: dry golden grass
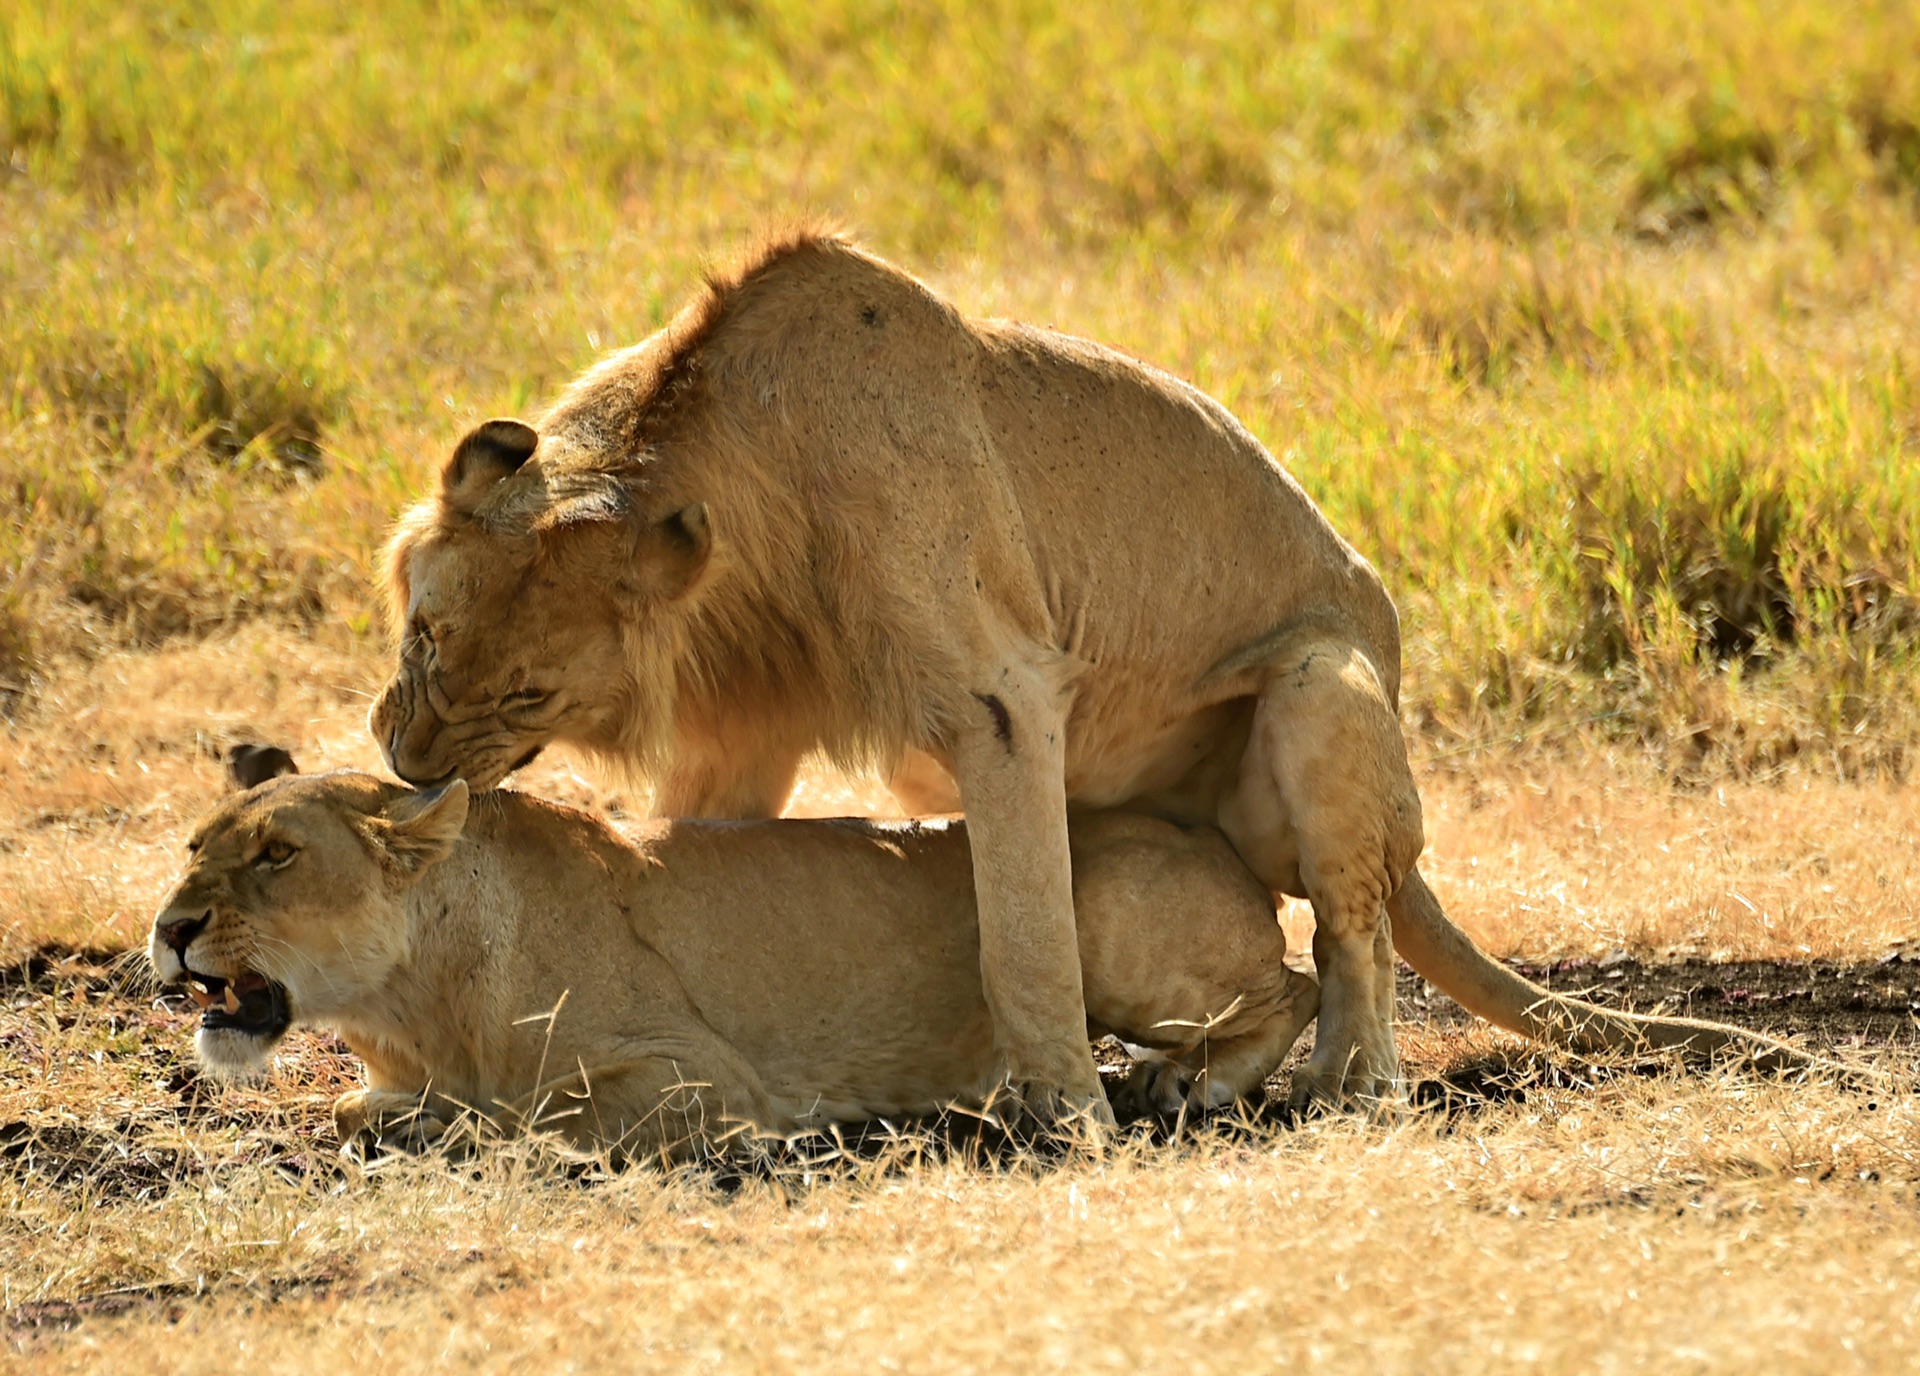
{"points": [[1582, 856], [1638, 1223], [149, 1218]]}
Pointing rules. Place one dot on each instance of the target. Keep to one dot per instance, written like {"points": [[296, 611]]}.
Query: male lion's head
{"points": [[529, 595], [290, 908]]}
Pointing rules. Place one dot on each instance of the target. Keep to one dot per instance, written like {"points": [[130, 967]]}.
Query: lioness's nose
{"points": [[178, 930]]}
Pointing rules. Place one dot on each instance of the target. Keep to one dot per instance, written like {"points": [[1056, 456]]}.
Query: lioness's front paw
{"points": [[394, 1122]]}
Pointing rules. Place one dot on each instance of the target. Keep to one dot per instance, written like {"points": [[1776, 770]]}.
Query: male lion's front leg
{"points": [[923, 786], [1009, 757], [749, 782]]}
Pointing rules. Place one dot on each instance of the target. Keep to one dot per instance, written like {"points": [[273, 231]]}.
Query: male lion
{"points": [[779, 973], [821, 509]]}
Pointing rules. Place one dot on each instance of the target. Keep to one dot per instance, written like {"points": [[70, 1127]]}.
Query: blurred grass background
{"points": [[1596, 328]]}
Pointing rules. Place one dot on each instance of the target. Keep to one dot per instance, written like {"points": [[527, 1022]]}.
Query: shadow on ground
{"points": [[98, 1090]]}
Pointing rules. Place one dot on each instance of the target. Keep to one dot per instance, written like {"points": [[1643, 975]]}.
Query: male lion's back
{"points": [[1155, 523], [1149, 505]]}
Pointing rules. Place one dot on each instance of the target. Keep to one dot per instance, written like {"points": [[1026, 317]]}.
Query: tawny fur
{"points": [[822, 510], [705, 975]]}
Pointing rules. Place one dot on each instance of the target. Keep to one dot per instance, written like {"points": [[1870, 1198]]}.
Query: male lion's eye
{"points": [[275, 854], [525, 697]]}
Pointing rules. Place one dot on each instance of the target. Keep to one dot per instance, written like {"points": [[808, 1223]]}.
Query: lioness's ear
{"points": [[417, 830], [249, 765], [681, 546], [492, 450]]}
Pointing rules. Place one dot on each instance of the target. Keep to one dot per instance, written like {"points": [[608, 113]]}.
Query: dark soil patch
{"points": [[1826, 1005], [43, 1318], [53, 968], [1822, 1005], [109, 1164]]}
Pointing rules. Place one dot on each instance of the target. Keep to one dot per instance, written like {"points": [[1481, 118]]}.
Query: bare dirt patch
{"points": [[1833, 1005]]}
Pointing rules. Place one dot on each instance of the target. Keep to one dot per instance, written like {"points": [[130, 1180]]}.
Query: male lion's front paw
{"points": [[1040, 1111], [1351, 1077]]}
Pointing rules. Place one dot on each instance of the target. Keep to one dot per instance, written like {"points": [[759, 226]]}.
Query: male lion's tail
{"points": [[1448, 959]]}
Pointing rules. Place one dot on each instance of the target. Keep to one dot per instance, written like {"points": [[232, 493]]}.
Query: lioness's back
{"points": [[854, 921]]}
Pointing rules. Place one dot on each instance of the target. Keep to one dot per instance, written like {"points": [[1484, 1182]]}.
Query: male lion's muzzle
{"points": [[428, 752], [408, 731]]}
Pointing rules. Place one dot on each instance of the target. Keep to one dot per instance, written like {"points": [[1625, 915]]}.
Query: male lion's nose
{"points": [[407, 739], [179, 931], [425, 781]]}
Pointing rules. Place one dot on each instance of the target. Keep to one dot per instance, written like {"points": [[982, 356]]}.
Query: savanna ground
{"points": [[1598, 330]]}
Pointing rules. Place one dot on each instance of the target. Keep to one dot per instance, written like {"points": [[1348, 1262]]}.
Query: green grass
{"points": [[1594, 329]]}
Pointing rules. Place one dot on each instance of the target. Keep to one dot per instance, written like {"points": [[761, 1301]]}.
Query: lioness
{"points": [[780, 974], [821, 509]]}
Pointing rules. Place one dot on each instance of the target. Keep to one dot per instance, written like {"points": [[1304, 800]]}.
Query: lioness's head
{"points": [[290, 908], [523, 595]]}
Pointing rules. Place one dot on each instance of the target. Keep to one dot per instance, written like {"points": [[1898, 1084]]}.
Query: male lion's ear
{"points": [[492, 450], [579, 499], [417, 830], [681, 546], [250, 765]]}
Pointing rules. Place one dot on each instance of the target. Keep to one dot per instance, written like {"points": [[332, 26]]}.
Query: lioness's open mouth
{"points": [[249, 1003]]}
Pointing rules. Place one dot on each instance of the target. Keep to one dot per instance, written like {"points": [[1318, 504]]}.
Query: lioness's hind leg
{"points": [[1234, 1068], [1324, 806], [1181, 951], [1225, 1070]]}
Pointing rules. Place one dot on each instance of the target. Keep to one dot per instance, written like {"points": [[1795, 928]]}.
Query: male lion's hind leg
{"points": [[1325, 806]]}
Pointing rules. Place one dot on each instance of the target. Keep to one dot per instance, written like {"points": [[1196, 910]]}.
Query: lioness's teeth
{"points": [[232, 1004], [199, 993]]}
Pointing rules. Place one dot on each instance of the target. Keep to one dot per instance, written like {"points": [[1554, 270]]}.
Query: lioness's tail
{"points": [[1446, 958]]}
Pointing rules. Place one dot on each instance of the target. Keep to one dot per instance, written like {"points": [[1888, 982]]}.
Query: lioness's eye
{"points": [[275, 854], [525, 697]]}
